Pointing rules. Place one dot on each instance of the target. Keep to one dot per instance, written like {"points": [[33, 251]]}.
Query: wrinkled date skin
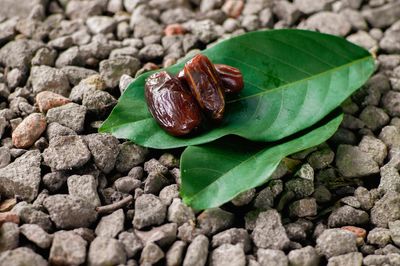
{"points": [[231, 78], [174, 108], [205, 84]]}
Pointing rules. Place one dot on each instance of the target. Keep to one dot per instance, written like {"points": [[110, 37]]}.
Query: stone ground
{"points": [[63, 65]]}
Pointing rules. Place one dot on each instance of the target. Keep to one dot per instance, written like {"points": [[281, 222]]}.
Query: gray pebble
{"points": [[22, 177], [228, 255], [214, 220], [197, 252], [379, 236], [85, 187], [45, 78], [271, 257], [37, 235], [106, 251], [66, 152], [232, 236], [306, 256], [353, 162], [68, 212], [269, 232], [149, 210], [70, 115], [112, 69], [386, 210], [111, 225], [347, 215], [175, 253], [151, 254], [334, 242], [132, 243], [68, 249], [9, 236], [130, 155], [353, 258], [22, 256], [179, 213]]}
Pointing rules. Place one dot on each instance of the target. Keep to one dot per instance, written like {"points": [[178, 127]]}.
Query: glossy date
{"points": [[174, 108], [205, 84], [231, 78]]}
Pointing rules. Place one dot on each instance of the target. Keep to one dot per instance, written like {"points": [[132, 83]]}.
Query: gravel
{"points": [[63, 66]]}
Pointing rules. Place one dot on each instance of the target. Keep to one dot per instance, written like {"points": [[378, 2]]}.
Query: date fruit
{"points": [[174, 108], [205, 84], [231, 78]]}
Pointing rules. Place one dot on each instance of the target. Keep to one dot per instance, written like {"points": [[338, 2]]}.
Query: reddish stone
{"points": [[8, 217], [233, 8], [47, 100], [174, 29], [359, 232], [29, 130]]}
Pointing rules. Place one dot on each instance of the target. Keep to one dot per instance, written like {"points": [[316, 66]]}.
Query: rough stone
{"points": [[70, 115], [68, 212], [84, 187], [149, 210], [132, 243], [232, 236], [269, 232], [9, 236], [228, 255], [37, 235], [197, 251], [21, 256], [212, 221], [112, 69], [22, 177], [386, 210], [347, 215], [106, 251], [130, 155], [271, 257], [45, 78], [111, 225], [334, 242], [353, 258], [68, 248], [306, 256], [353, 162], [66, 152]]}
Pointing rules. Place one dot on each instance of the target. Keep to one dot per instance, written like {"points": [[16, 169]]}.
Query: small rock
{"points": [[21, 256], [364, 197], [382, 16], [44, 56], [130, 155], [45, 78], [168, 194], [9, 237], [145, 27], [84, 187], [29, 215], [104, 149], [68, 212], [66, 152], [306, 256], [204, 30], [151, 254], [394, 228], [386, 210], [214, 220], [363, 39], [271, 257], [54, 181], [232, 236], [353, 258], [347, 215], [244, 198], [179, 213], [375, 147], [353, 162], [47, 100], [357, 231], [124, 82], [55, 129], [174, 256], [68, 249], [19, 53], [127, 184], [111, 225], [22, 177], [300, 187], [70, 115], [269, 232], [163, 235], [101, 24], [98, 102], [106, 251], [29, 130], [329, 22], [197, 252], [132, 243], [334, 242], [374, 117], [149, 210], [112, 69], [151, 52], [303, 208], [390, 136], [286, 11], [228, 255], [390, 179], [379, 236], [37, 235], [310, 6]]}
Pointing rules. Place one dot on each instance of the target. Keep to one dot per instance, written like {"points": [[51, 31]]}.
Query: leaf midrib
{"points": [[301, 80]]}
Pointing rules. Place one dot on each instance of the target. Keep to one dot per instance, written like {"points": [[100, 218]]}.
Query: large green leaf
{"points": [[214, 173], [293, 78]]}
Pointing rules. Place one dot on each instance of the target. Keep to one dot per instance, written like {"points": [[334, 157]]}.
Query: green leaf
{"points": [[293, 78], [215, 173]]}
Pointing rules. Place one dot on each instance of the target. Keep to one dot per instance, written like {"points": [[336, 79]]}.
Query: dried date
{"points": [[205, 84], [231, 78], [174, 108]]}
